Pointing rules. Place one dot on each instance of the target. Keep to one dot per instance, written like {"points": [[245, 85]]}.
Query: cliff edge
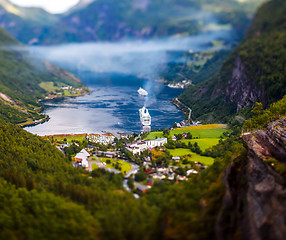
{"points": [[254, 205]]}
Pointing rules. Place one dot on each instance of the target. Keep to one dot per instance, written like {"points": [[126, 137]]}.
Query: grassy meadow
{"points": [[203, 143], [205, 136], [200, 131], [125, 166], [69, 137], [194, 157]]}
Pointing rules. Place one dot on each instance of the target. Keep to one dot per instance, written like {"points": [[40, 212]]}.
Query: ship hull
{"points": [[142, 92], [145, 117]]}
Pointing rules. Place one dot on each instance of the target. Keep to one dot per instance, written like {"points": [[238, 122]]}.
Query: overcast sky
{"points": [[54, 6]]}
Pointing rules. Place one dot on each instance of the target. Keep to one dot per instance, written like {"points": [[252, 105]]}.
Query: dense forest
{"points": [[255, 71]]}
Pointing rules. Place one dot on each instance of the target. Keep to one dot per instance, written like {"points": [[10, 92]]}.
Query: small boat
{"points": [[142, 92], [145, 117]]}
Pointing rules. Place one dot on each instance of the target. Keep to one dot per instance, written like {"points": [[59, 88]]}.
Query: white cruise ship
{"points": [[142, 92], [145, 117]]}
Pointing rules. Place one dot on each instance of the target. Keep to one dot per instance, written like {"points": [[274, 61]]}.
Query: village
{"points": [[144, 159]]}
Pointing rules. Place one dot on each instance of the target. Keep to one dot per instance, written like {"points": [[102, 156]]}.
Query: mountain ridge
{"points": [[112, 20]]}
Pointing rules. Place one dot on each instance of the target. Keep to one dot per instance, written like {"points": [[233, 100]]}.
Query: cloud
{"points": [[53, 6], [129, 57]]}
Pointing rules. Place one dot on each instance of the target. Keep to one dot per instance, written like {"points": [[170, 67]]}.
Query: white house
{"points": [[191, 171], [176, 158], [158, 176], [82, 158], [163, 170], [174, 138], [157, 142]]}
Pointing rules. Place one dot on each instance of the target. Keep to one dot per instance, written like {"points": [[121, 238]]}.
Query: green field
{"points": [[201, 131], [154, 135], [49, 86], [204, 143], [67, 93], [205, 135], [180, 152], [94, 166], [125, 166], [69, 138], [194, 157]]}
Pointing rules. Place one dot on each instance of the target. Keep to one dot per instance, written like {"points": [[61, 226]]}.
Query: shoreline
{"points": [[177, 104], [34, 123], [47, 118]]}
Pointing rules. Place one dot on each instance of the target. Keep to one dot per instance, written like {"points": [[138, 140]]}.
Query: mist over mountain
{"points": [[145, 58]]}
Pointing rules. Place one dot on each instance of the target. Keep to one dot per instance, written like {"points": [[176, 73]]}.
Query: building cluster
{"points": [[167, 173], [182, 84], [138, 147], [67, 88], [107, 154], [104, 139], [186, 123]]}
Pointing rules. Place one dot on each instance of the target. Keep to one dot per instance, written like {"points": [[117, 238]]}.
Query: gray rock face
{"points": [[255, 200], [241, 89]]}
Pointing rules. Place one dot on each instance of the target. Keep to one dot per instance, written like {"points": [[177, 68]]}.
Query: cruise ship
{"points": [[145, 117], [142, 92]]}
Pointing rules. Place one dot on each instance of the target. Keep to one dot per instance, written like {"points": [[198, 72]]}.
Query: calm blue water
{"points": [[112, 106], [114, 102]]}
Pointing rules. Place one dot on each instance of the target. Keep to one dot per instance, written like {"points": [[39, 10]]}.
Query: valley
{"points": [[75, 160]]}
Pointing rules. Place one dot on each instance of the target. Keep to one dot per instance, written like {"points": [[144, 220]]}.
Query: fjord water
{"points": [[114, 72], [112, 106]]}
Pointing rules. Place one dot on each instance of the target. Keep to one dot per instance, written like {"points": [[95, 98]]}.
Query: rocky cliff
{"points": [[241, 89], [253, 72], [254, 205]]}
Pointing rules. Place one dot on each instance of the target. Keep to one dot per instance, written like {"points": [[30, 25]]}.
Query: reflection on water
{"points": [[146, 129], [112, 106]]}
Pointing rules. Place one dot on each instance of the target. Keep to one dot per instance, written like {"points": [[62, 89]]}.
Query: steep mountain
{"points": [[115, 20], [24, 22], [24, 81], [255, 71]]}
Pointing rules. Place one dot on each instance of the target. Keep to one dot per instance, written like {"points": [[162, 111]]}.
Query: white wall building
{"points": [[157, 142], [82, 158], [144, 145], [138, 147]]}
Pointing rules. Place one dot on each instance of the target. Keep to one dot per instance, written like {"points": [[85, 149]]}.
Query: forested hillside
{"points": [[20, 82], [43, 196], [255, 71]]}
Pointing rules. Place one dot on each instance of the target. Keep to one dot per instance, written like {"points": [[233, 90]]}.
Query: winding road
{"points": [[190, 110]]}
